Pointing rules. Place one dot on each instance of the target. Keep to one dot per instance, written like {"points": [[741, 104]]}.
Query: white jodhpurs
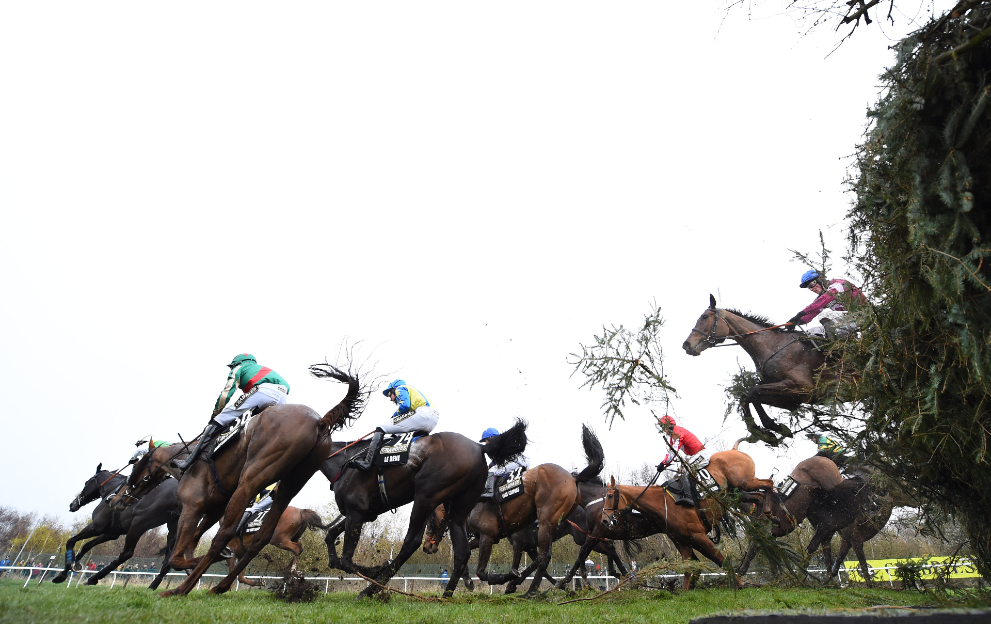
{"points": [[423, 419], [262, 396], [264, 503]]}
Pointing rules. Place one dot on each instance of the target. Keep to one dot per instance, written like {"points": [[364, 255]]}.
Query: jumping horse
{"points": [[284, 443], [160, 507], [787, 364], [443, 469], [683, 525]]}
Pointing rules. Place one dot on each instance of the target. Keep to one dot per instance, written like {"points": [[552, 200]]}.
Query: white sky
{"points": [[476, 188]]}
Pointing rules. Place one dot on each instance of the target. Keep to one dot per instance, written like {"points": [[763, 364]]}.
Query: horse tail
{"points": [[594, 454], [312, 520], [510, 442], [353, 403], [737, 444], [633, 547]]}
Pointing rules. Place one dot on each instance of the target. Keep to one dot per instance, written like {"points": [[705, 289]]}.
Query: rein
{"points": [[587, 534], [117, 472], [710, 337], [350, 445]]}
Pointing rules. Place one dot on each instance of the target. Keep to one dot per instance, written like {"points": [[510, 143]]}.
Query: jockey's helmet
{"points": [[667, 420], [808, 278], [395, 384], [491, 432], [241, 358]]}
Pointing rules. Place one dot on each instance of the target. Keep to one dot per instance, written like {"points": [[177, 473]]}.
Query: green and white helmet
{"points": [[241, 358]]}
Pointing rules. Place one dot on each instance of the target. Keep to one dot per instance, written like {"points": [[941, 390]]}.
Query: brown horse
{"points": [[293, 523], [443, 469], [285, 443], [549, 495], [684, 525], [787, 365], [734, 468]]}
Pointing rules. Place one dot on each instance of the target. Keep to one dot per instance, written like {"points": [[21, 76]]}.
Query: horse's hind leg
{"points": [[834, 570], [462, 552], [579, 566], [169, 546], [128, 551]]}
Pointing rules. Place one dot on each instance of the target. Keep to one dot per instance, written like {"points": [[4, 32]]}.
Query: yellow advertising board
{"points": [[929, 568]]}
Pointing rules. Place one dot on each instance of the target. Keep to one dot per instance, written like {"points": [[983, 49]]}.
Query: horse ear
{"points": [[612, 481], [151, 444], [712, 302], [99, 466]]}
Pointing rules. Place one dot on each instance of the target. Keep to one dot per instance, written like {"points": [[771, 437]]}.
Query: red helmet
{"points": [[667, 420]]}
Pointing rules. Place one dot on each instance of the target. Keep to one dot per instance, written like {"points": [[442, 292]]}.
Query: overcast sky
{"points": [[473, 189]]}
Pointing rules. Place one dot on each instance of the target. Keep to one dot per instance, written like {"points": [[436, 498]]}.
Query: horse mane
{"points": [[763, 321]]}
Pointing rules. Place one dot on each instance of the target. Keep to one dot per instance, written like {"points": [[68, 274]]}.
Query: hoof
{"points": [[448, 594], [92, 581], [60, 578], [510, 589], [169, 593]]}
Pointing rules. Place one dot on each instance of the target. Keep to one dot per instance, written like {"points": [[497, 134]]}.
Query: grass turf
{"points": [[138, 605]]}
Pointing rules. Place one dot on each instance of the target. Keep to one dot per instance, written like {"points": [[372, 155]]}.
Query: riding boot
{"points": [[684, 497], [206, 437], [244, 518], [489, 487], [373, 448]]}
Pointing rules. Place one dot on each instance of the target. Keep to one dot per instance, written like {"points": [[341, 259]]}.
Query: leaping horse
{"points": [[160, 507], [284, 443], [787, 364]]}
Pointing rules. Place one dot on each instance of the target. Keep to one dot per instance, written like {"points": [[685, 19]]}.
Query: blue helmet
{"points": [[808, 277], [395, 384], [490, 433]]}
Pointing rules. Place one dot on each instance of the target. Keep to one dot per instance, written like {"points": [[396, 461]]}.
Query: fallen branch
{"points": [[418, 597]]}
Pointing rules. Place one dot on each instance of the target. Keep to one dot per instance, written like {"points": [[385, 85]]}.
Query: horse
{"points": [[683, 525], [293, 523], [786, 363], [443, 469], [830, 503], [285, 443], [577, 523], [160, 507], [734, 468]]}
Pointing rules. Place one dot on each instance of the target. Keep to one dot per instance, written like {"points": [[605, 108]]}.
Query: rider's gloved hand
{"points": [[664, 463], [797, 319]]}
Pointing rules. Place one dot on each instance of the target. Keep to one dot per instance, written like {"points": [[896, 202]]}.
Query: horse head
{"points": [[89, 493], [708, 331], [612, 505], [436, 526], [148, 472], [783, 522]]}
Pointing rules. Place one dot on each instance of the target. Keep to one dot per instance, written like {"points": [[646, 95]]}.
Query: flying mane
{"points": [[753, 318]]}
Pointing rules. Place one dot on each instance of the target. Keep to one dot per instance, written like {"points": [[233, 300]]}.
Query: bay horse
{"points": [[284, 443], [160, 507], [577, 524], [443, 469], [683, 525], [293, 523], [786, 363]]}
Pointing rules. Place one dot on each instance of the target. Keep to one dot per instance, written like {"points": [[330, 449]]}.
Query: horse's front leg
{"points": [[70, 556], [422, 510], [579, 566], [545, 541]]}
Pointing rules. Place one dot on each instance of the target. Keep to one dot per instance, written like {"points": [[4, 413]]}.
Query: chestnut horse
{"points": [[683, 525], [787, 365], [734, 468], [284, 443], [293, 523], [443, 469]]}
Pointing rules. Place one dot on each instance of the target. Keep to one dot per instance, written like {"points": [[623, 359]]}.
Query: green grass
{"points": [[137, 605]]}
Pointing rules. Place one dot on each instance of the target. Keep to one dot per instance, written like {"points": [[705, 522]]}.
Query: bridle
{"points": [[711, 339], [126, 495]]}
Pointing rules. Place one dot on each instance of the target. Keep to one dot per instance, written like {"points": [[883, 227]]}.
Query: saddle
{"points": [[395, 449], [509, 486], [254, 523], [232, 433], [683, 490]]}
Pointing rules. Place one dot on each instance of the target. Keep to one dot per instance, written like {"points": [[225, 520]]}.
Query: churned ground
{"points": [[135, 605]]}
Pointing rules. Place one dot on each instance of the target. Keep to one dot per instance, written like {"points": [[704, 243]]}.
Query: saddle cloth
{"points": [[254, 522], [395, 449], [232, 432], [509, 485]]}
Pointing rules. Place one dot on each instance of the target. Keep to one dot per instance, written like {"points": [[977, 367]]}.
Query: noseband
{"points": [[710, 338]]}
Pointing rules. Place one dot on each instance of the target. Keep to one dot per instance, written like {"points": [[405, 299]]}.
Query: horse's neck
{"points": [[591, 491], [758, 345], [332, 466], [111, 485]]}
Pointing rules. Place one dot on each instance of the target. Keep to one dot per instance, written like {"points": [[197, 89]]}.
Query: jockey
{"points": [[262, 501], [830, 306], [261, 386], [497, 470], [413, 413], [682, 440], [831, 449]]}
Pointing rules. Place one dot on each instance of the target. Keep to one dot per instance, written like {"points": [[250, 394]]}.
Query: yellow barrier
{"points": [[929, 568]]}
